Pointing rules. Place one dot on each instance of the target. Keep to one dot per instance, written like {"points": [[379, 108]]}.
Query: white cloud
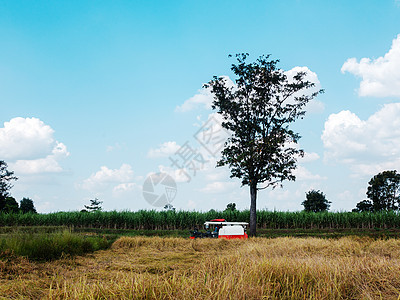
{"points": [[41, 165], [166, 149], [203, 98], [125, 189], [25, 138], [116, 146], [367, 146], [302, 173], [309, 157], [179, 175], [29, 146], [105, 177], [381, 76], [217, 173], [218, 187], [314, 106]]}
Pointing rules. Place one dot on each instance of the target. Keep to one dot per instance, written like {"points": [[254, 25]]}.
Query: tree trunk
{"points": [[253, 209]]}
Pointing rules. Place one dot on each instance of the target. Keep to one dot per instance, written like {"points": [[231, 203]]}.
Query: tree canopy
{"points": [[257, 111], [26, 206], [230, 207], [383, 192], [95, 205], [6, 177], [316, 202], [10, 205], [364, 206]]}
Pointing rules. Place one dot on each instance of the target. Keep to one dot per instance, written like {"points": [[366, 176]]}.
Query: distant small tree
{"points": [[26, 206], [231, 207], [364, 206], [316, 202], [169, 206], [95, 205], [11, 206]]}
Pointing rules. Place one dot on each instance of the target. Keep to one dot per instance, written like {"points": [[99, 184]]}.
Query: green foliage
{"points": [[258, 112], [6, 177], [95, 205], [364, 206], [231, 207], [10, 205], [187, 220], [48, 246], [26, 206], [315, 202], [383, 191], [169, 206]]}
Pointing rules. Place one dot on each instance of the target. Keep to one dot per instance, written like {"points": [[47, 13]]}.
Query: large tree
{"points": [[258, 111], [6, 177], [384, 191]]}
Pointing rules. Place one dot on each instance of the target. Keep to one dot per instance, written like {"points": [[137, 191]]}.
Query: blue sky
{"points": [[92, 95]]}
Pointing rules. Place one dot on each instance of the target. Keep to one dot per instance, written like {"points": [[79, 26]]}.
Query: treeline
{"points": [[8, 204], [170, 220]]}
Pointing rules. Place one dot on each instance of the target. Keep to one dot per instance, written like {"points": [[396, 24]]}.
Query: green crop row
{"points": [[160, 220], [48, 246]]}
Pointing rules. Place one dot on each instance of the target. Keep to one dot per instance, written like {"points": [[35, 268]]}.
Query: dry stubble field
{"points": [[178, 268]]}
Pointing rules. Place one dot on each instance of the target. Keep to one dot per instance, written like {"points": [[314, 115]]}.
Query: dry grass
{"points": [[176, 268]]}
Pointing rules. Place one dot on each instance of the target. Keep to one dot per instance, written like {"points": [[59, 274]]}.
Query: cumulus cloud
{"points": [[379, 77], [25, 138], [203, 99], [218, 187], [165, 149], [302, 173], [106, 177], [124, 189], [29, 146], [369, 146], [179, 175], [314, 106], [309, 157], [49, 164]]}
